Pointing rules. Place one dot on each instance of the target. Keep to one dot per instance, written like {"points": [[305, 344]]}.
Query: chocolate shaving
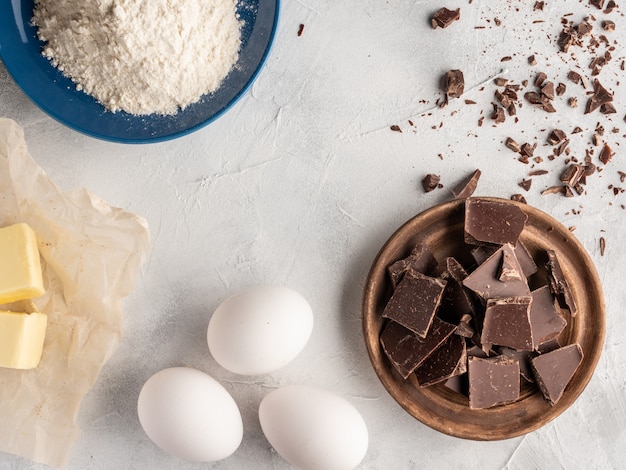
{"points": [[525, 184], [511, 144], [556, 136], [606, 154], [300, 29], [602, 246], [540, 101], [518, 198], [395, 128]]}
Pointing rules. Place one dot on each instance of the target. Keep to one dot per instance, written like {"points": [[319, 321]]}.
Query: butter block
{"points": [[21, 339], [20, 268]]}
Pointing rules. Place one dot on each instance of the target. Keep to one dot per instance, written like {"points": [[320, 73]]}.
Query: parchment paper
{"points": [[91, 253]]}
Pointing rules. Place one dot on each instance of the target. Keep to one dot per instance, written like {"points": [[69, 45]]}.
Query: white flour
{"points": [[141, 56]]}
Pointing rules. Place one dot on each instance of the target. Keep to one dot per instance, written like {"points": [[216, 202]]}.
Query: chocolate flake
{"points": [[525, 184], [519, 198], [602, 246], [467, 186], [420, 260], [606, 154], [599, 97], [556, 136], [532, 60], [558, 284], [395, 128], [300, 29], [444, 17], [510, 143]]}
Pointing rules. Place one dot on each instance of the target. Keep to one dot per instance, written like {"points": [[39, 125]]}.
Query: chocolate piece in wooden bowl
{"points": [[442, 230]]}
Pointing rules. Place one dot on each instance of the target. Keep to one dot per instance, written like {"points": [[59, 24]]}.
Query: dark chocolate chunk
{"points": [[484, 279], [526, 261], [448, 360], [455, 83], [496, 222], [554, 370], [300, 29], [597, 3], [464, 328], [444, 17], [532, 60], [548, 90], [507, 323], [545, 321], [566, 39], [510, 143], [415, 301], [430, 182], [558, 284], [492, 381], [420, 260], [560, 89], [519, 198], [510, 269], [540, 101], [523, 357], [395, 128], [406, 350], [467, 186], [525, 184], [456, 300]]}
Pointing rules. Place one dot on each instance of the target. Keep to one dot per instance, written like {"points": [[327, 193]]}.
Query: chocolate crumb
{"points": [[597, 3], [573, 102], [532, 60], [553, 190], [500, 81], [576, 130], [395, 128], [525, 184], [607, 108], [498, 114], [518, 198], [455, 83], [610, 6], [431, 182], [444, 17], [622, 176], [300, 29], [560, 89], [506, 58], [467, 186], [539, 6], [538, 173], [602, 246]]}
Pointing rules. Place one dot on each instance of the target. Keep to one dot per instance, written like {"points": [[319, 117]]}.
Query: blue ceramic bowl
{"points": [[57, 95]]}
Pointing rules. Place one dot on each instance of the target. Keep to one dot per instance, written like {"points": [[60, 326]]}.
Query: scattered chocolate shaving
{"points": [[444, 17], [573, 102], [602, 246], [560, 89], [506, 58], [525, 184], [500, 81], [606, 154], [395, 128], [576, 130], [597, 3], [583, 28], [300, 29], [553, 190], [532, 60], [599, 97], [608, 25], [574, 76], [566, 39], [541, 77], [518, 198], [622, 176], [572, 174], [540, 101], [511, 144], [498, 114], [454, 83], [467, 186], [547, 90], [609, 7], [556, 136], [538, 6], [538, 172], [607, 108], [430, 182]]}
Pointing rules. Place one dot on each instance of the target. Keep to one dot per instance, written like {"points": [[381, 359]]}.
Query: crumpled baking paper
{"points": [[91, 254]]}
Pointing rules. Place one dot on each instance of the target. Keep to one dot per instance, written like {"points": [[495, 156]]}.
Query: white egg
{"points": [[260, 329], [190, 415], [313, 429]]}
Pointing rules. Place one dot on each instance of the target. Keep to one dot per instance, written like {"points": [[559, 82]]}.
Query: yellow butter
{"points": [[20, 268], [21, 339]]}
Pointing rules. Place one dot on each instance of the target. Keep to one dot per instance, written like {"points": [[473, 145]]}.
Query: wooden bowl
{"points": [[441, 229]]}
